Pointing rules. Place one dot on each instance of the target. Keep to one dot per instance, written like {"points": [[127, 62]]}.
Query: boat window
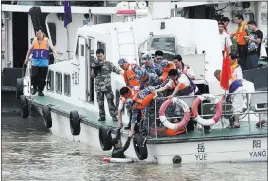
{"points": [[101, 45], [67, 84], [52, 31], [82, 50], [163, 43], [77, 48], [58, 82], [50, 81]]}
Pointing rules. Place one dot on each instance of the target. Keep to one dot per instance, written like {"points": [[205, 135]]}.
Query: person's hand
{"points": [[131, 133], [122, 72], [170, 97], [26, 61], [247, 38]]}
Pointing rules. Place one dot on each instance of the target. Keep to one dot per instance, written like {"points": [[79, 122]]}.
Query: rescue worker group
{"points": [[157, 78]]}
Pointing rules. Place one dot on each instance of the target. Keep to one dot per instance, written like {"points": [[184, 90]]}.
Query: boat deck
{"points": [[90, 118]]}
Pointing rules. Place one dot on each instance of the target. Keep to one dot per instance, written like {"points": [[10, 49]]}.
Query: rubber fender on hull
{"points": [[105, 139], [75, 123], [24, 108], [19, 88], [140, 147], [47, 116]]}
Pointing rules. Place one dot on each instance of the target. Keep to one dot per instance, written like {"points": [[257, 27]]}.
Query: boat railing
{"points": [[255, 104]]}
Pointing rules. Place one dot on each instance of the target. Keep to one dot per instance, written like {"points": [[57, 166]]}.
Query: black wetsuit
{"points": [[119, 152]]}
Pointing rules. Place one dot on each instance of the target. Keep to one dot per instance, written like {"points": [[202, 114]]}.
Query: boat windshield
{"points": [[163, 43]]}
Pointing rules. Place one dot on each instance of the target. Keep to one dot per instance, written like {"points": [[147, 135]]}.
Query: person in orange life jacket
{"points": [[226, 22], [254, 45], [140, 101], [150, 66], [181, 67], [40, 52], [237, 97], [180, 83], [235, 67], [118, 150], [135, 115], [166, 66], [158, 56], [132, 72], [240, 33]]}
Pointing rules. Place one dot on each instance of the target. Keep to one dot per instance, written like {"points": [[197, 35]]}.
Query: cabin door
{"points": [[89, 78], [83, 54]]}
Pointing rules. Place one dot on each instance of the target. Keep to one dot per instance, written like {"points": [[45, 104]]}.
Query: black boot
{"points": [[40, 93]]}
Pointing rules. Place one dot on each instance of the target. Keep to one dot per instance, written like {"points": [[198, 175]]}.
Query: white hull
{"points": [[239, 150]]}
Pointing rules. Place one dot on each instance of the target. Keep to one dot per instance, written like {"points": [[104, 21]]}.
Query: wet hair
{"points": [[217, 73], [173, 72], [239, 16], [252, 22], [39, 29], [114, 141], [233, 56], [225, 19], [158, 53], [123, 91], [177, 57], [220, 23], [99, 51]]}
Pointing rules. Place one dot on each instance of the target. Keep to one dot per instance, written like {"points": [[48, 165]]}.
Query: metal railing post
{"points": [[203, 128], [155, 126], [249, 126]]}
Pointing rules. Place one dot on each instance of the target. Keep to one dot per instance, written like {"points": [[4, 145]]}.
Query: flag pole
{"points": [[68, 46], [225, 89]]}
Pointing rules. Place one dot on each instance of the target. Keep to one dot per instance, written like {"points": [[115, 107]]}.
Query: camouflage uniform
{"points": [[154, 68], [153, 79], [103, 87]]}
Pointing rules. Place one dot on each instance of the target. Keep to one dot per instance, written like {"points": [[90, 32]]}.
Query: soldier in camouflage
{"points": [[101, 71], [150, 66]]}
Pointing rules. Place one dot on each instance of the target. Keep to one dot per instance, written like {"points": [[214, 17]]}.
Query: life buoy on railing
{"points": [[174, 126], [212, 99]]}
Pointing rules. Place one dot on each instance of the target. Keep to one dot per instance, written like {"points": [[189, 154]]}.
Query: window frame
{"points": [[65, 85], [56, 82], [52, 88]]}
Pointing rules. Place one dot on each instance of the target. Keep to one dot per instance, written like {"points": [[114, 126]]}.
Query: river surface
{"points": [[31, 152]]}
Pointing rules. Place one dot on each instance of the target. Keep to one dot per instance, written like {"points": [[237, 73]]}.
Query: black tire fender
{"points": [[24, 108], [47, 116], [19, 88], [139, 144], [75, 123], [105, 139]]}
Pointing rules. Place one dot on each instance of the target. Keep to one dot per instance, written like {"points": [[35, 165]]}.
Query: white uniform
{"points": [[183, 80]]}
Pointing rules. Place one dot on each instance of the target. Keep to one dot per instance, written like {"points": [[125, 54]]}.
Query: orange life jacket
{"points": [[240, 33], [165, 71], [132, 94], [130, 76], [40, 49], [234, 66], [142, 103]]}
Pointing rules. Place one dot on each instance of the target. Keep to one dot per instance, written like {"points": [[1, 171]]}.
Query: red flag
{"points": [[226, 70]]}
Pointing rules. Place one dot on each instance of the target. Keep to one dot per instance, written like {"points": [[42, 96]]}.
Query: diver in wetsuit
{"points": [[118, 150]]}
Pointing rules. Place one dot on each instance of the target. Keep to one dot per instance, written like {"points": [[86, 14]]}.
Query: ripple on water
{"points": [[30, 152]]}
